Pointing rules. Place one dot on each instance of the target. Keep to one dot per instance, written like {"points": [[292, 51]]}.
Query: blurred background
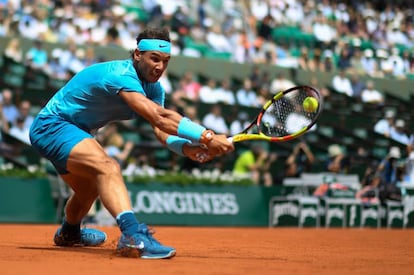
{"points": [[229, 56]]}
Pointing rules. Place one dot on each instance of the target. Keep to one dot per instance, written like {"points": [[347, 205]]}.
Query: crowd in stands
{"points": [[364, 37], [350, 38]]}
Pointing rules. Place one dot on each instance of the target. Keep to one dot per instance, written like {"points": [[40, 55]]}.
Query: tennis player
{"points": [[63, 132]]}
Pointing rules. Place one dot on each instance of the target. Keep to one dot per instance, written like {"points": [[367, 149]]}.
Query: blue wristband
{"points": [[176, 144], [190, 130]]}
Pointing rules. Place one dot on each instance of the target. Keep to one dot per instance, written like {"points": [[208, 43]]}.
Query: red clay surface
{"points": [[28, 249]]}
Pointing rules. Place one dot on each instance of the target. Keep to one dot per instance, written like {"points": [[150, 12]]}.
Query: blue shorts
{"points": [[54, 137]]}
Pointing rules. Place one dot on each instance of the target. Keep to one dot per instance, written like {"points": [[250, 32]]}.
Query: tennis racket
{"points": [[284, 117]]}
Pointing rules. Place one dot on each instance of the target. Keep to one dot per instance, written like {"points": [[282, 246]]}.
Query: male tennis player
{"points": [[116, 90]]}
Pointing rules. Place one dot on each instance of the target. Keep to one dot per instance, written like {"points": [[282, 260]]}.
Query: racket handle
{"points": [[230, 139]]}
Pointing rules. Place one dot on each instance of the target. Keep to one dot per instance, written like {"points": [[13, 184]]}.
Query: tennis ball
{"points": [[310, 104]]}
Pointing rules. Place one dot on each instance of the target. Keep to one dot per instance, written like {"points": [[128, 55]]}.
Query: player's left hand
{"points": [[197, 153], [219, 145]]}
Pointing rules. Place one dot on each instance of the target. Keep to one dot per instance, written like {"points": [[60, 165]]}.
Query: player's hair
{"points": [[154, 33]]}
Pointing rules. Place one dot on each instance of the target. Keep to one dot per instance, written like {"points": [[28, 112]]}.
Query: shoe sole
{"points": [[130, 252]]}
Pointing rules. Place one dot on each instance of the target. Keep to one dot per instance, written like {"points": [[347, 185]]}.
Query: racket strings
{"points": [[286, 115]]}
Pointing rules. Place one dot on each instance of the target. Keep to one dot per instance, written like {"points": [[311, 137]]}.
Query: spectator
{"points": [[318, 59], [13, 51], [338, 161], [215, 121], [280, 83], [255, 164], [305, 61], [263, 94], [191, 112], [387, 168], [344, 59], [24, 114], [259, 54], [188, 90], [217, 40], [398, 132], [398, 69], [371, 95], [246, 96], [370, 184], [385, 124], [4, 125], [356, 62], [300, 160], [224, 93], [90, 57], [256, 78], [357, 86], [19, 131], [10, 111], [54, 69], [114, 144], [327, 64], [325, 92], [239, 124], [36, 57], [208, 92], [342, 84], [369, 64], [324, 32], [243, 50]]}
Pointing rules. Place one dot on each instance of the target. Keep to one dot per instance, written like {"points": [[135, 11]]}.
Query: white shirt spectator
{"points": [[395, 36], [259, 8], [368, 62], [218, 41], [216, 122], [342, 84], [20, 132], [280, 83], [246, 97], [224, 94], [371, 95], [208, 92], [384, 125], [323, 31]]}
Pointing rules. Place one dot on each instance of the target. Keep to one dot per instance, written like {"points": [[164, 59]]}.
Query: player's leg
{"points": [[78, 205], [88, 160], [100, 174]]}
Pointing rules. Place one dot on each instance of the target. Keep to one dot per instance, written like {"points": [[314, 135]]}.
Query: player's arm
{"points": [[186, 148], [173, 123]]}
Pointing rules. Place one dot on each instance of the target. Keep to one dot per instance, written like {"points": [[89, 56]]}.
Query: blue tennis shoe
{"points": [[143, 245], [87, 237]]}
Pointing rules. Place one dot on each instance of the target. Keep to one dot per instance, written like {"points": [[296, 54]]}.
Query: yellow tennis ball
{"points": [[310, 104]]}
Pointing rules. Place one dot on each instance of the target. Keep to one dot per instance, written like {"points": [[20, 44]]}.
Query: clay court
{"points": [[28, 249]]}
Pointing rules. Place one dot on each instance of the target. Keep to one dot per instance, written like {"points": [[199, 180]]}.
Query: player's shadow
{"points": [[76, 249]]}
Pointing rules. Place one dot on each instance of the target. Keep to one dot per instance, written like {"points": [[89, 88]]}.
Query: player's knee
{"points": [[108, 166]]}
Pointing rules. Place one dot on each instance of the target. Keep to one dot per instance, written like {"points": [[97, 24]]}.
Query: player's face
{"points": [[151, 64]]}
